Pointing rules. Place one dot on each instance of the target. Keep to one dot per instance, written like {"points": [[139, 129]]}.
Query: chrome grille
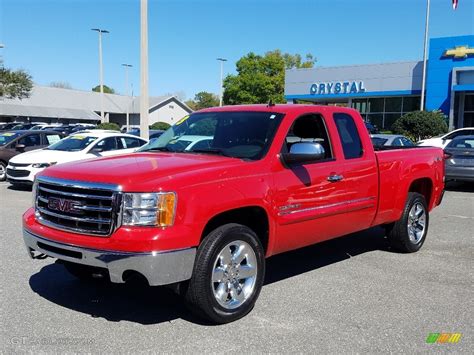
{"points": [[80, 207]]}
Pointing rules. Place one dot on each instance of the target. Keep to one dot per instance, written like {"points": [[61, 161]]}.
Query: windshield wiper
{"points": [[209, 151], [160, 149]]}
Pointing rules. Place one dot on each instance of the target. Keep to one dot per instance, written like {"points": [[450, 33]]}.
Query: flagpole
{"points": [[423, 80]]}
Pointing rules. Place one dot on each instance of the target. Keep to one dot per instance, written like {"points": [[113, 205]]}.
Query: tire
{"points": [[85, 273], [217, 290], [3, 171], [408, 234]]}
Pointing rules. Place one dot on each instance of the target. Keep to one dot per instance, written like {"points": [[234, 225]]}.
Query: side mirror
{"points": [[303, 153], [97, 150], [20, 147]]}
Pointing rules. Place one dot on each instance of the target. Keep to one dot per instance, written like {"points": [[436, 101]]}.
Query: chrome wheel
{"points": [[234, 274], [416, 223]]}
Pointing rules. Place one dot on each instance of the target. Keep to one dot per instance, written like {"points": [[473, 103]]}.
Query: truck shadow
{"points": [[459, 186], [143, 304]]}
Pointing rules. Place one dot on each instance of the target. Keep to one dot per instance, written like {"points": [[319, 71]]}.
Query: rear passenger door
{"points": [[359, 173]]}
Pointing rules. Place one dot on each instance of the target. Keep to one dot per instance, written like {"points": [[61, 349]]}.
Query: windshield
{"points": [[73, 143], [7, 137], [245, 135]]}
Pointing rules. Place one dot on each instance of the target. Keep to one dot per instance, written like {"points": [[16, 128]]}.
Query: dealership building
{"points": [[383, 92], [58, 105]]}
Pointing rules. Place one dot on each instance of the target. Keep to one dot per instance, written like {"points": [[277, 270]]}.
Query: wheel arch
{"points": [[253, 217], [423, 186]]}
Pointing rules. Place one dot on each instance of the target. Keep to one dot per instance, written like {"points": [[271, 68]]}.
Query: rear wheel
{"points": [[409, 233], [228, 274]]}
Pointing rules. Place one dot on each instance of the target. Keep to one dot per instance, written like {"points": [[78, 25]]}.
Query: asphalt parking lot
{"points": [[351, 295]]}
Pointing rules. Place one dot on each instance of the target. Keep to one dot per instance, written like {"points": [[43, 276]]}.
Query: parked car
{"points": [[371, 128], [390, 140], [65, 129], [181, 144], [13, 143], [443, 140], [23, 168], [8, 126], [208, 219], [459, 159], [153, 133]]}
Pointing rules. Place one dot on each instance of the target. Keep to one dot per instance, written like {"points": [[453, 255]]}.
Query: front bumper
{"points": [[22, 175], [159, 268]]}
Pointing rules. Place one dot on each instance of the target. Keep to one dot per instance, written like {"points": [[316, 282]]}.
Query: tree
{"points": [[421, 124], [15, 84], [107, 90], [110, 126], [260, 79], [60, 84], [160, 126], [202, 100]]}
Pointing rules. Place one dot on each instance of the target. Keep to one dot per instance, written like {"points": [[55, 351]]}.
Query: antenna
{"points": [[270, 103]]}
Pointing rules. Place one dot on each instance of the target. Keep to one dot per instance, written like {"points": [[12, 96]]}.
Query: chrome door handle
{"points": [[335, 178]]}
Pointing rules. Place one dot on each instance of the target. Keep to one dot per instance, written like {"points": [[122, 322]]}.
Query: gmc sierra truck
{"points": [[259, 180]]}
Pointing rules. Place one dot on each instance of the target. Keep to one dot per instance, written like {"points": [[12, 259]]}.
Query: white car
{"points": [[22, 168], [181, 144], [443, 141]]}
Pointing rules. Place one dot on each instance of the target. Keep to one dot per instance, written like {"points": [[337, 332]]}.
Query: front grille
{"points": [[18, 165], [17, 173], [80, 207]]}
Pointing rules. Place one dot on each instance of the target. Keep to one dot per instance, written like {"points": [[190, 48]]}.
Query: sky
{"points": [[52, 40]]}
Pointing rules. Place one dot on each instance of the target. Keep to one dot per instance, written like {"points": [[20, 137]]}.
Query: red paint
{"points": [[376, 185]]}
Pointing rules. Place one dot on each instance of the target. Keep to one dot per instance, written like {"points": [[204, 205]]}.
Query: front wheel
{"points": [[228, 274], [3, 171], [409, 233]]}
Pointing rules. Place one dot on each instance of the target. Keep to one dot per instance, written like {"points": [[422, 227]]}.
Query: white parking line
{"points": [[459, 216]]}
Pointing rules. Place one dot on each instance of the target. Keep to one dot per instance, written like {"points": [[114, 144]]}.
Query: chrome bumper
{"points": [[159, 268]]}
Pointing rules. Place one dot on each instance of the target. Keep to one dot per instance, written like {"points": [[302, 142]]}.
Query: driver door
{"points": [[308, 204]]}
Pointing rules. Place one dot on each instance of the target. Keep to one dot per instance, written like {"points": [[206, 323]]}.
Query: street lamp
{"points": [[144, 99], [127, 93], [222, 60], [101, 78]]}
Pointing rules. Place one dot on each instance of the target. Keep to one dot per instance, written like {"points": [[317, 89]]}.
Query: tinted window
{"points": [[7, 137], [349, 135], [397, 142], [107, 144], [31, 140], [462, 142], [72, 143], [378, 142], [238, 134], [309, 128], [406, 142], [129, 143]]}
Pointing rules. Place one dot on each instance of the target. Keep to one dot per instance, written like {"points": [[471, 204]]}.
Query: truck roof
{"points": [[279, 108]]}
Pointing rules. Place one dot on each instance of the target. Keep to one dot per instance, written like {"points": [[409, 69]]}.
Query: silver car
{"points": [[459, 159], [390, 140]]}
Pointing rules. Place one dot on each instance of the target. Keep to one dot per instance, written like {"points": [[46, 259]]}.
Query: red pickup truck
{"points": [[204, 205]]}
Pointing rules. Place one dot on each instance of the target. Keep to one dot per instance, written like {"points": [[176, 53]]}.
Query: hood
{"points": [[46, 156], [146, 171]]}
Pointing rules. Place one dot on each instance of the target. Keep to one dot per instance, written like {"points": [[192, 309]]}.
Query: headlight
{"points": [[149, 209], [42, 165]]}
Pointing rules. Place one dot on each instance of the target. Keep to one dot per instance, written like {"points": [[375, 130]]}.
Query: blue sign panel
{"points": [[339, 87]]}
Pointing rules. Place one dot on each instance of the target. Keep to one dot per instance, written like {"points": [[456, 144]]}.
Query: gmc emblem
{"points": [[64, 205]]}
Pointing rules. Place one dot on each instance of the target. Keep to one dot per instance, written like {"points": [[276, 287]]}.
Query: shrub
{"points": [[421, 124], [109, 126], [160, 125]]}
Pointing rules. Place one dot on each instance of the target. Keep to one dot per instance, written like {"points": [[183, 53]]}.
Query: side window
{"points": [[204, 144], [351, 143], [107, 144], [397, 142], [407, 143], [309, 128], [31, 140], [52, 138], [129, 143]]}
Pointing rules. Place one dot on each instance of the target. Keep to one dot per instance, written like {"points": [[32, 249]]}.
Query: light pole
{"points": [[127, 93], [101, 76], [423, 80], [144, 69], [222, 60]]}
